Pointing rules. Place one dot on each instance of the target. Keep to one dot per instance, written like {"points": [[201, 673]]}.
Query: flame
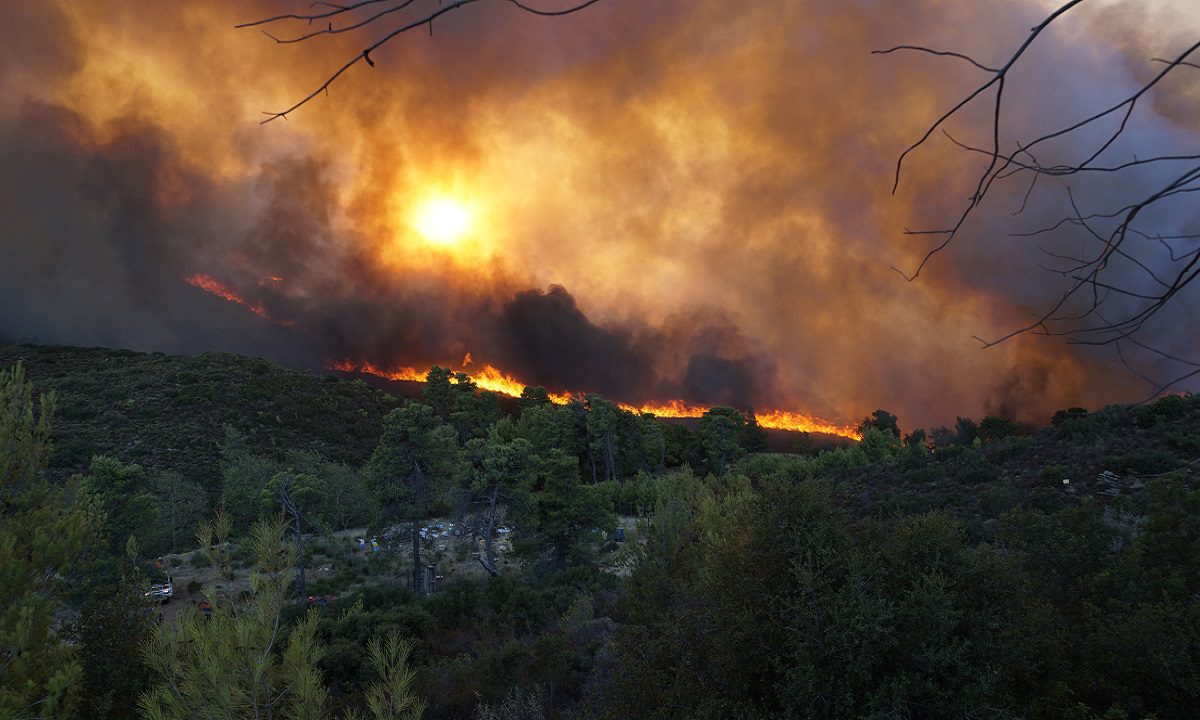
{"points": [[396, 373], [211, 285], [490, 378], [787, 420], [467, 360]]}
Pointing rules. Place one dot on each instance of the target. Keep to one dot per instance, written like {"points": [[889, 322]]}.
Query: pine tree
{"points": [[45, 529]]}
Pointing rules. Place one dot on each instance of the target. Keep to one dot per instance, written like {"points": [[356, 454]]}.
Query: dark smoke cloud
{"points": [[547, 336]]}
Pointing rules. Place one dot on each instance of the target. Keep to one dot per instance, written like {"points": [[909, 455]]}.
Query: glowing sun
{"points": [[442, 220]]}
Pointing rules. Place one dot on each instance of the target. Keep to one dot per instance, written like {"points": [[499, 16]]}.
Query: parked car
{"points": [[162, 592]]}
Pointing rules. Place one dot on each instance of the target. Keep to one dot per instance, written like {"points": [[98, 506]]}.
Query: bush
{"points": [[1171, 407], [1186, 443], [998, 499], [1144, 461], [973, 468], [1054, 472]]}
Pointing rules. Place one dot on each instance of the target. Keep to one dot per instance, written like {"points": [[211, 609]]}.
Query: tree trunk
{"points": [[416, 552], [489, 547]]}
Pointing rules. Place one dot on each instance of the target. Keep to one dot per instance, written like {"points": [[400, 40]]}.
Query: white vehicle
{"points": [[162, 592]]}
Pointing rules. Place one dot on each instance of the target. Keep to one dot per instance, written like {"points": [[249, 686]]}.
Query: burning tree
{"points": [[395, 17], [1144, 247]]}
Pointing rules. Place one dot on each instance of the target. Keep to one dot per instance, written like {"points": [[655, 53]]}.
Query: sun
{"points": [[442, 220]]}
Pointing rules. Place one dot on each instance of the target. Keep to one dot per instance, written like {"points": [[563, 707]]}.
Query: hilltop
{"points": [[169, 412]]}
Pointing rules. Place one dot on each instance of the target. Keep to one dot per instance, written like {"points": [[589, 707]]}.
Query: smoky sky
{"points": [[672, 200]]}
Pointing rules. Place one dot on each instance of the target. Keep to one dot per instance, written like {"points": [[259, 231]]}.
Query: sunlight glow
{"points": [[442, 220]]}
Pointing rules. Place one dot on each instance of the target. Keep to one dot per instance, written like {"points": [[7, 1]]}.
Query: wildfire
{"points": [[211, 285], [786, 420], [489, 378], [398, 373]]}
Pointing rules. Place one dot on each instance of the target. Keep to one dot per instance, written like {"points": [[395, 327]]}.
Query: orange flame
{"points": [[489, 378], [397, 373], [211, 285], [786, 420]]}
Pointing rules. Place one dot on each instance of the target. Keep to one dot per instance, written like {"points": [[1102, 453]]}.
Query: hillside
{"points": [[169, 413]]}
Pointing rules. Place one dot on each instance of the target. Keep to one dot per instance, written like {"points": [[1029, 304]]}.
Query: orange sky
{"points": [[709, 188]]}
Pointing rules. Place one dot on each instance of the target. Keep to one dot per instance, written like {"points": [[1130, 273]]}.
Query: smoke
{"points": [[672, 199]]}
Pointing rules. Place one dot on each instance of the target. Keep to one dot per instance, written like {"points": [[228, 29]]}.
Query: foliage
{"points": [[391, 697], [115, 620], [565, 514], [236, 663], [127, 498], [721, 432], [883, 421], [170, 413], [46, 531], [418, 459]]}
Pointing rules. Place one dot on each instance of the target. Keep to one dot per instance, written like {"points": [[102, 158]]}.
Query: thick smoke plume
{"points": [[673, 199]]}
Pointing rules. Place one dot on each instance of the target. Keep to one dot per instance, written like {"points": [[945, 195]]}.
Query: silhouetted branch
{"points": [[1131, 261], [389, 11]]}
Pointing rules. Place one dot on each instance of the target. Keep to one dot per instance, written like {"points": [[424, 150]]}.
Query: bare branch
{"points": [[1125, 236], [948, 53], [352, 23]]}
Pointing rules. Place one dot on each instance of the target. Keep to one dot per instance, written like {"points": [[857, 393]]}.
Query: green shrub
{"points": [[1143, 461], [998, 499], [973, 468], [1054, 472], [1186, 443], [1170, 407]]}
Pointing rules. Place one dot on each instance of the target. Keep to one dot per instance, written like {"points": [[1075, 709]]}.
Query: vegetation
{"points": [[594, 563]]}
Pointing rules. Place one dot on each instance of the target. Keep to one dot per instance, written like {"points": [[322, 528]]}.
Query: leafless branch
{"points": [[339, 19], [1125, 238]]}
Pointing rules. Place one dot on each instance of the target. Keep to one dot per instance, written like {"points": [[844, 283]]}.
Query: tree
{"points": [[417, 458], [337, 19], [333, 495], [244, 475], [993, 428], [721, 430], [883, 421], [1137, 261], [565, 513], [241, 663], [46, 531], [130, 508], [503, 468], [237, 663], [603, 429], [533, 396], [654, 443], [456, 398], [754, 438], [181, 505], [392, 697], [115, 621], [549, 427]]}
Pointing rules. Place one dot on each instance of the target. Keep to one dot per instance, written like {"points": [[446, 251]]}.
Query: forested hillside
{"points": [[170, 412], [451, 556]]}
